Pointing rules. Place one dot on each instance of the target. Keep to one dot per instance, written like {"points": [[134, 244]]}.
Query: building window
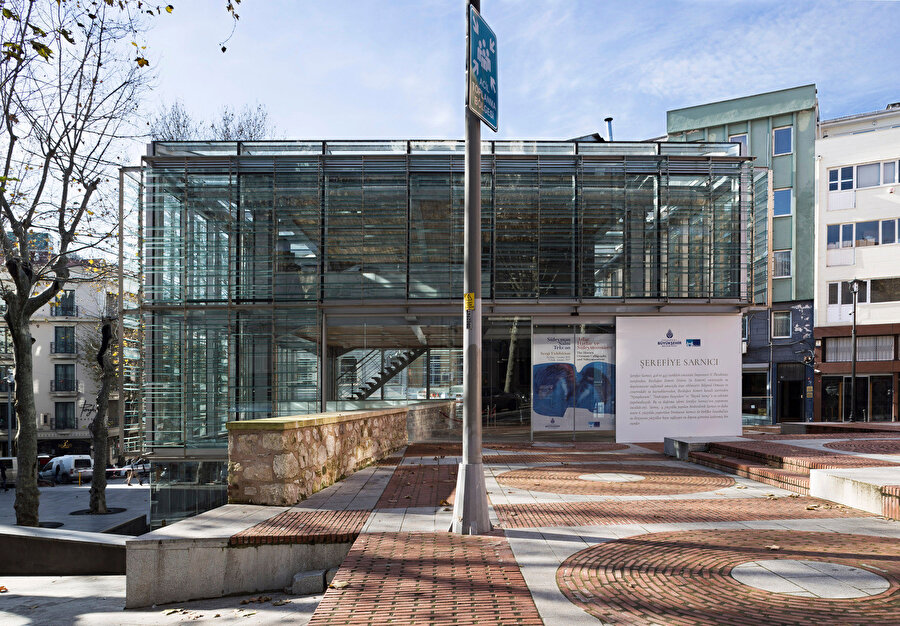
{"points": [[839, 236], [890, 173], [6, 346], [840, 179], [745, 328], [877, 348], [885, 290], [65, 415], [867, 234], [781, 324], [64, 377], [65, 304], [781, 202], [888, 231], [839, 293], [783, 140], [868, 175], [741, 139], [782, 259], [64, 340]]}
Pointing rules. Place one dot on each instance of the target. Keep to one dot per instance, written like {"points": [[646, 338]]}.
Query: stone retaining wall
{"points": [[283, 460]]}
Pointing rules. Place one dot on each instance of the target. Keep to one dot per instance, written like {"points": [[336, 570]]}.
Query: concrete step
{"points": [[872, 489], [792, 480]]}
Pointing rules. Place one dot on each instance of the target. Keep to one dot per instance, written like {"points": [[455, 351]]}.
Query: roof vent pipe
{"points": [[608, 121]]}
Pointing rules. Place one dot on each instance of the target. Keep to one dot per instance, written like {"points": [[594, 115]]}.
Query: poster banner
{"points": [[595, 382], [677, 376], [552, 382]]}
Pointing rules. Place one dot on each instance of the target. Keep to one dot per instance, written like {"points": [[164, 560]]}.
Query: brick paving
{"points": [[658, 480], [433, 449], [683, 578], [428, 578], [419, 485], [304, 527], [584, 446], [790, 456], [605, 513], [835, 435], [863, 446], [569, 457]]}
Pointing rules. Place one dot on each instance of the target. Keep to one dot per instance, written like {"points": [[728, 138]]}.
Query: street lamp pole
{"points": [[854, 289], [470, 507]]}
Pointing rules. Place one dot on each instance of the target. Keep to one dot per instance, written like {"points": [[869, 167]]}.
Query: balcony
{"points": [[64, 349], [63, 310], [64, 386]]}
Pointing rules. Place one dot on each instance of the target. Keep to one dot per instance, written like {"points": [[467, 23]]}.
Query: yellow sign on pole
{"points": [[470, 302]]}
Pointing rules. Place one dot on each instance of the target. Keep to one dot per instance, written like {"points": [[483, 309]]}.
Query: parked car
{"points": [[140, 466], [68, 468]]}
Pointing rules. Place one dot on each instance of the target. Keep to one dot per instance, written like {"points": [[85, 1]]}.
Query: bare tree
{"points": [[174, 123], [99, 425], [65, 105]]}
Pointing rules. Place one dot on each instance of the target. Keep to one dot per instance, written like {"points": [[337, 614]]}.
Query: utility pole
{"points": [[470, 507]]}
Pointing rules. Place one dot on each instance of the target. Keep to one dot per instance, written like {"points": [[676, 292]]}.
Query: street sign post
{"points": [[482, 92]]}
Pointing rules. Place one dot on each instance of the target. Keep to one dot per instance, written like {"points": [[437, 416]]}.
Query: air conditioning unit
{"points": [[744, 347]]}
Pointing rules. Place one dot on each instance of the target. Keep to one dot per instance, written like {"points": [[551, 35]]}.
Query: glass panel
{"points": [[832, 293], [834, 236], [602, 229], [781, 324], [847, 178], [882, 398], [862, 296], [781, 202], [837, 349], [517, 228], [846, 296], [782, 140], [890, 172], [832, 388], [782, 267], [885, 289], [847, 235], [867, 233], [832, 180], [868, 175], [741, 139], [888, 231]]}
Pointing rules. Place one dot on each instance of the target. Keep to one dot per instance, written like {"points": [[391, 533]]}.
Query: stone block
{"points": [[285, 466], [330, 574], [258, 471], [273, 441], [308, 583]]}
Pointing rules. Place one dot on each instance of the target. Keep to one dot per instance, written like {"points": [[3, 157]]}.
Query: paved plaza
{"points": [[584, 534]]}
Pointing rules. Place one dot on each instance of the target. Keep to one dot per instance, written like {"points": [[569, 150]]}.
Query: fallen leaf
{"points": [[794, 495], [339, 585], [741, 487], [812, 507], [774, 547], [281, 602], [171, 611]]}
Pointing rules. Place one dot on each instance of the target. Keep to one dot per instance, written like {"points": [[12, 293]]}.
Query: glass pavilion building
{"points": [[282, 278]]}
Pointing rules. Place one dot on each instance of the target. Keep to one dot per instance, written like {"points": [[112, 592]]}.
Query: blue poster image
{"points": [[554, 388], [596, 388]]}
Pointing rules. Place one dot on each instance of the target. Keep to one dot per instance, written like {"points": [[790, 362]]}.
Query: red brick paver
{"points": [[419, 485], [433, 449], [304, 527], [569, 457], [683, 578], [658, 480], [582, 446], [428, 578], [789, 456], [668, 511], [863, 446]]}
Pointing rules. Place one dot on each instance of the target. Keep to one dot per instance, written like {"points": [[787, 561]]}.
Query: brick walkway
{"points": [[863, 446], [304, 527], [428, 578], [569, 457], [794, 456], [658, 480], [419, 485], [683, 578], [668, 511]]}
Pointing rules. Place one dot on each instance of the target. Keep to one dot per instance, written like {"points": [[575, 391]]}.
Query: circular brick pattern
{"points": [[863, 446], [810, 579], [658, 480], [684, 578], [612, 477]]}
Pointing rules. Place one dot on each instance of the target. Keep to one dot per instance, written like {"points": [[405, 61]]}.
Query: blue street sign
{"points": [[482, 93]]}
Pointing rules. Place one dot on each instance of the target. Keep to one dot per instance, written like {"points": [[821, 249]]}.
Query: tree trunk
{"points": [[510, 363], [99, 427], [27, 494]]}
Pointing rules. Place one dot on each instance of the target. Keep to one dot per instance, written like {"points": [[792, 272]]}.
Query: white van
{"points": [[68, 468]]}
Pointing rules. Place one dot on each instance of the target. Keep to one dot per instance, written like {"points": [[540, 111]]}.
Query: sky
{"points": [[394, 69]]}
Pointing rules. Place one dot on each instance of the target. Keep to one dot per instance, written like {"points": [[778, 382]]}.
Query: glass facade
{"points": [[273, 273]]}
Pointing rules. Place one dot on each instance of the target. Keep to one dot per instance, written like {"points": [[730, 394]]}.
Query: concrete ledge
{"points": [[40, 551], [859, 487], [317, 419], [681, 447]]}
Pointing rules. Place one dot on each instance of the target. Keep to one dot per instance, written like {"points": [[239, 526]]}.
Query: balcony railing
{"points": [[65, 347], [63, 310], [64, 385]]}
